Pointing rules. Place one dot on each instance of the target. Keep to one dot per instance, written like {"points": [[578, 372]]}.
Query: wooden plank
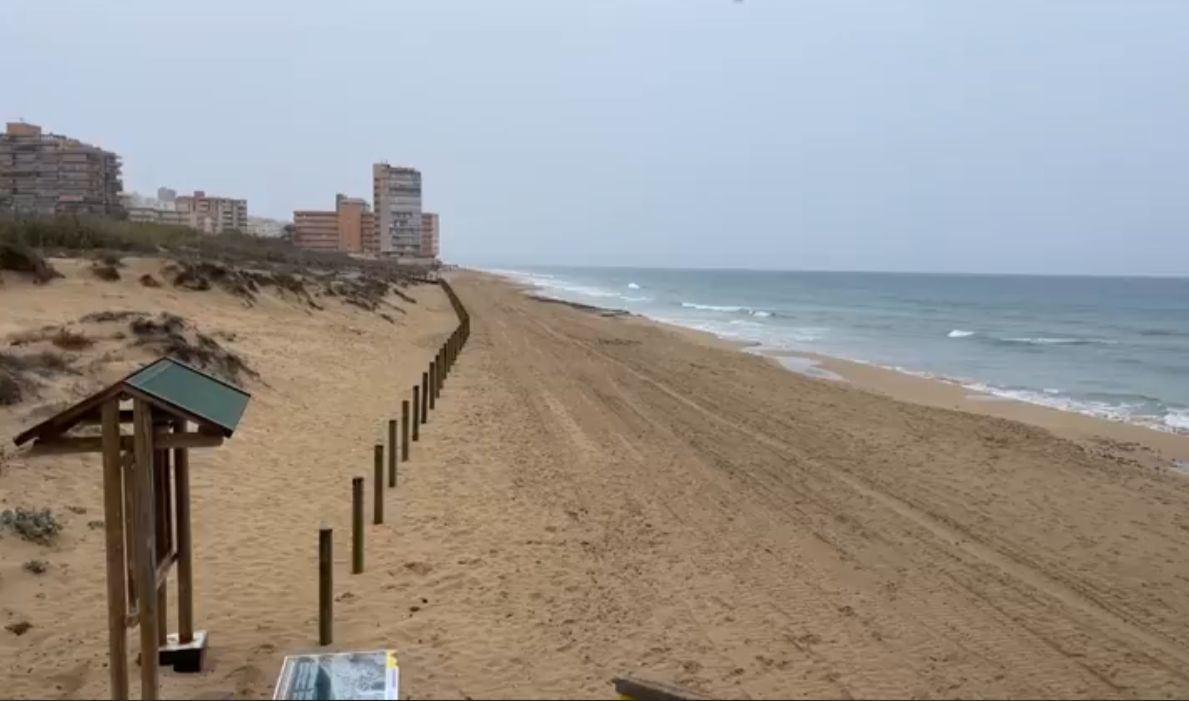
{"points": [[637, 689], [325, 586], [145, 546], [94, 444], [163, 503], [125, 418], [162, 610], [181, 474], [164, 565], [113, 529], [129, 463]]}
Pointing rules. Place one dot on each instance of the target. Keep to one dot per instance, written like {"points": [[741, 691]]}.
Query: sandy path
{"points": [[605, 496]]}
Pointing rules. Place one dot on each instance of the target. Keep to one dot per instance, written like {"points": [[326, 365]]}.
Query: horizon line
{"points": [[1163, 276]]}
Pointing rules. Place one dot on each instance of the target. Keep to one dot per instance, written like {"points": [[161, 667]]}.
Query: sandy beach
{"points": [[598, 495]]}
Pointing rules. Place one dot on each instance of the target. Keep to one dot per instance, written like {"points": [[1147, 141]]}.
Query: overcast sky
{"points": [[1040, 136]]}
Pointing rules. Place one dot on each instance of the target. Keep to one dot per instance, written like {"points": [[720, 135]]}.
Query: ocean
{"points": [[1112, 347]]}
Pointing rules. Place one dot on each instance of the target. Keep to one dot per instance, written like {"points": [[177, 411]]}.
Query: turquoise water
{"points": [[1113, 347]]}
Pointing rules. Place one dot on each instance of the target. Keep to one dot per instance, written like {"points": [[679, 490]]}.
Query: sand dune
{"points": [[328, 381]]}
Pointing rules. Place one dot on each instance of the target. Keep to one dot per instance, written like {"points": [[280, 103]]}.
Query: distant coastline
{"points": [[770, 329]]}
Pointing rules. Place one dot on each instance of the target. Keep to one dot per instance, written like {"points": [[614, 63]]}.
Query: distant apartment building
{"points": [[429, 235], [214, 215], [43, 174], [266, 228], [166, 194], [349, 228], [397, 195], [156, 215]]}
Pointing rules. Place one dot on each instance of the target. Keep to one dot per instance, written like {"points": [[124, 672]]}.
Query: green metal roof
{"points": [[192, 391]]}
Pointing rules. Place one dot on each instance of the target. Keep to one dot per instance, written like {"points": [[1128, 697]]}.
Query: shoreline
{"points": [[1153, 447], [836, 542]]}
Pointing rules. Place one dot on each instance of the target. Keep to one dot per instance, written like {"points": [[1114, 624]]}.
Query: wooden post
{"points": [[433, 383], [416, 413], [162, 611], [113, 530], [404, 430], [145, 547], [181, 474], [325, 585], [391, 452], [378, 486], [356, 525], [424, 397]]}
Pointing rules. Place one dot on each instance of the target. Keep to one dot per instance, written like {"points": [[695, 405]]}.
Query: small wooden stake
{"points": [[356, 525], [378, 479], [425, 397], [325, 585], [404, 430], [433, 383], [416, 413], [391, 452]]}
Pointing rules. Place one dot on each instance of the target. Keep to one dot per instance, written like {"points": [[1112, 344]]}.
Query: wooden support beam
{"points": [[125, 418], [162, 610], [145, 547], [113, 529], [164, 565], [129, 464], [94, 444], [181, 474]]}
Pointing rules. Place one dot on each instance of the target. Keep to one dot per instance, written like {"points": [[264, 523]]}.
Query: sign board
{"points": [[340, 675]]}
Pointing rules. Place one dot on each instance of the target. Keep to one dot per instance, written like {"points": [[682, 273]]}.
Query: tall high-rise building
{"points": [[429, 235], [44, 174], [397, 198]]}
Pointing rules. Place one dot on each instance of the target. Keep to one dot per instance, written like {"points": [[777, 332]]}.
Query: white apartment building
{"points": [[397, 198], [214, 215]]}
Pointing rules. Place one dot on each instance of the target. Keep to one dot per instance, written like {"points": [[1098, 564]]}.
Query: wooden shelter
{"points": [[146, 499]]}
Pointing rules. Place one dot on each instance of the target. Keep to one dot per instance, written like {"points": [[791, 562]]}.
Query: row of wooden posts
{"points": [[412, 417]]}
